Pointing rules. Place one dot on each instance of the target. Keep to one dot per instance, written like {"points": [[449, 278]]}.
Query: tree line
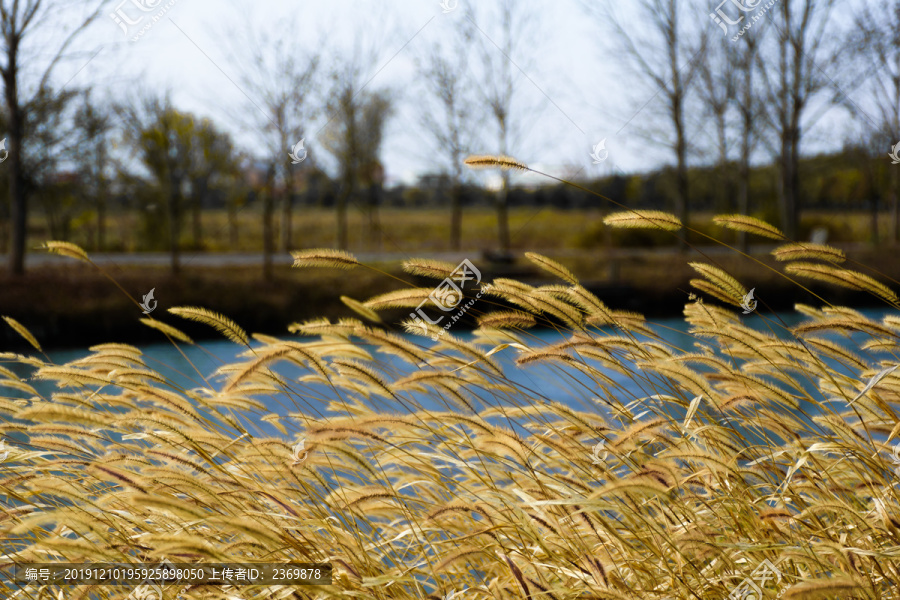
{"points": [[735, 91]]}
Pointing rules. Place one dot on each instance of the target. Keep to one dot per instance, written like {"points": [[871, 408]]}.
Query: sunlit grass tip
{"points": [[749, 225], [324, 257], [66, 249], [167, 329], [223, 324], [643, 219], [487, 161], [426, 267], [21, 330], [809, 250], [844, 278]]}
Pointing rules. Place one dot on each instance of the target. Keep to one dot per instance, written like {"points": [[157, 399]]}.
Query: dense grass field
{"points": [[758, 462]]}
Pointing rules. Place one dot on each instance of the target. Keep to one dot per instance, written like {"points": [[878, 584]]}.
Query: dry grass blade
{"points": [[168, 330], [21, 330], [748, 224], [843, 277], [425, 267], [324, 257], [361, 309], [487, 161], [647, 468], [512, 319], [67, 249], [644, 219], [551, 266], [809, 250], [727, 286], [223, 324], [410, 298]]}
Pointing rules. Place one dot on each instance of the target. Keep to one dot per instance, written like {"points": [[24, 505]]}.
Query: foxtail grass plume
{"points": [[223, 324], [429, 468], [844, 278], [21, 330], [487, 161], [66, 249], [749, 224], [324, 257], [426, 267], [809, 250], [643, 219], [361, 309]]}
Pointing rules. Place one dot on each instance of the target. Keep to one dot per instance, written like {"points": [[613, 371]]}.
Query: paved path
{"points": [[237, 259]]}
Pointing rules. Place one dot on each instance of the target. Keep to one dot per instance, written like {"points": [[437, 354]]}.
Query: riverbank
{"points": [[70, 304]]}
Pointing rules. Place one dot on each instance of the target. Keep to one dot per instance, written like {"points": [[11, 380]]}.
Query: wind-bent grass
{"points": [[429, 470]]}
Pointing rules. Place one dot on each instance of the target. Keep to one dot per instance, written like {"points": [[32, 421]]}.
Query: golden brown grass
{"points": [[429, 470]]}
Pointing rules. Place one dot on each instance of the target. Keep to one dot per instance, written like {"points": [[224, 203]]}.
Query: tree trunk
{"points": [[18, 205], [101, 201], [683, 191], [895, 203], [268, 229], [455, 216], [743, 197], [101, 219], [341, 208], [681, 201], [232, 223], [793, 181], [875, 239], [198, 189], [743, 200], [374, 224], [287, 206], [503, 215], [174, 222]]}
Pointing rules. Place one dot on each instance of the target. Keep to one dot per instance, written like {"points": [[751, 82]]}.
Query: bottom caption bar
{"points": [[172, 573]]}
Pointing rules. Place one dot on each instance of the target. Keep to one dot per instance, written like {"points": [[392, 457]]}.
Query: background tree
{"points": [[658, 47], [46, 178], [449, 118], [211, 162], [94, 128], [354, 136], [716, 90], [163, 137], [749, 107], [875, 44], [502, 60], [19, 21], [803, 51], [283, 75]]}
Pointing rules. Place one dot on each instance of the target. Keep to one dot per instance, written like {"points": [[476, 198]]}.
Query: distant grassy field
{"points": [[420, 230]]}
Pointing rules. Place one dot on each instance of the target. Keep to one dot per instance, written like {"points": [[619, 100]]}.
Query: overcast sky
{"points": [[576, 78]]}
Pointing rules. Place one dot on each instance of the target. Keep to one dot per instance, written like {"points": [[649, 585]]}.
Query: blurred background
{"points": [[189, 145]]}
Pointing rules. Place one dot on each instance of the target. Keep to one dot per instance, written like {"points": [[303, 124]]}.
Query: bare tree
{"points": [[716, 89], [805, 53], [212, 159], [19, 20], [282, 75], [749, 106], [353, 136], [163, 137], [658, 47], [726, 73], [450, 118], [876, 47], [503, 58], [94, 124]]}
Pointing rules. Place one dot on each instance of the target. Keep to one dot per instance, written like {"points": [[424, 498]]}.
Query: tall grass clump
{"points": [[437, 469]]}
